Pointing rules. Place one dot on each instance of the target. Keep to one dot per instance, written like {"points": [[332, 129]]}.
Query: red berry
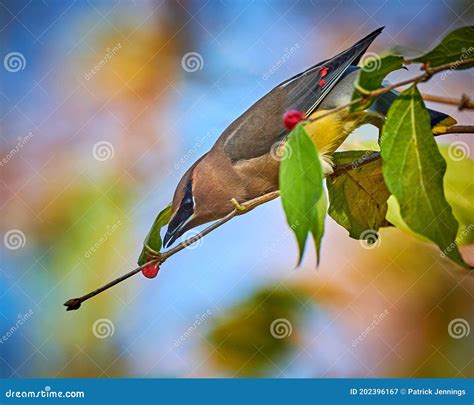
{"points": [[291, 118], [323, 71], [322, 82], [151, 270]]}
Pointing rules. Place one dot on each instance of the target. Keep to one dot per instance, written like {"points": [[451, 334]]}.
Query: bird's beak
{"points": [[176, 228]]}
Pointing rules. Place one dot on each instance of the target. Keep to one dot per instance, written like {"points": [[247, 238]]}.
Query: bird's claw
{"points": [[238, 207]]}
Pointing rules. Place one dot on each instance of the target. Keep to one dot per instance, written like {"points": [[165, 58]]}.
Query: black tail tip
{"points": [[377, 31]]}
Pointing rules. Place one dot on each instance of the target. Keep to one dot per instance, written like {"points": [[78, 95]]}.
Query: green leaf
{"points": [[395, 218], [153, 240], [358, 198], [413, 169], [459, 190], [301, 184], [456, 46], [317, 228], [371, 75]]}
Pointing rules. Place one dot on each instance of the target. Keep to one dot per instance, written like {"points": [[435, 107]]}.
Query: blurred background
{"points": [[105, 104]]}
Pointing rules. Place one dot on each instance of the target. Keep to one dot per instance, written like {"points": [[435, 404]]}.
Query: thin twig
{"points": [[464, 103], [75, 303], [456, 129]]}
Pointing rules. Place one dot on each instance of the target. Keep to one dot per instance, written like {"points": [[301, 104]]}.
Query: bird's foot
{"points": [[150, 253], [238, 207]]}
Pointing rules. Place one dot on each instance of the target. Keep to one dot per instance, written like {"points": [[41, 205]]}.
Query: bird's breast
{"points": [[258, 175]]}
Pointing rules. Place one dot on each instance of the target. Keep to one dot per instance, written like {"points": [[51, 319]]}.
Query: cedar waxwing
{"points": [[242, 165]]}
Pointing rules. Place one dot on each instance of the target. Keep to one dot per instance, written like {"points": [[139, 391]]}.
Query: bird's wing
{"points": [[307, 90], [255, 132]]}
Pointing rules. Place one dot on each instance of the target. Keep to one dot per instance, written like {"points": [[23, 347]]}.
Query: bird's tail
{"points": [[438, 119]]}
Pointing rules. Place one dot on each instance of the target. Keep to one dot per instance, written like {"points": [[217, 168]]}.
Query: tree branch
{"points": [[464, 103], [75, 303]]}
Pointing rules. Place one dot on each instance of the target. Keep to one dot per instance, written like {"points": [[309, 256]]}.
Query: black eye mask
{"points": [[187, 203], [185, 210]]}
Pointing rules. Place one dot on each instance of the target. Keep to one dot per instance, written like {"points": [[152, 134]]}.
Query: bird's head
{"points": [[201, 196], [183, 209]]}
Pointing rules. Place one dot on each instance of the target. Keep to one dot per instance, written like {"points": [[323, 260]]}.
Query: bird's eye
{"points": [[188, 205]]}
